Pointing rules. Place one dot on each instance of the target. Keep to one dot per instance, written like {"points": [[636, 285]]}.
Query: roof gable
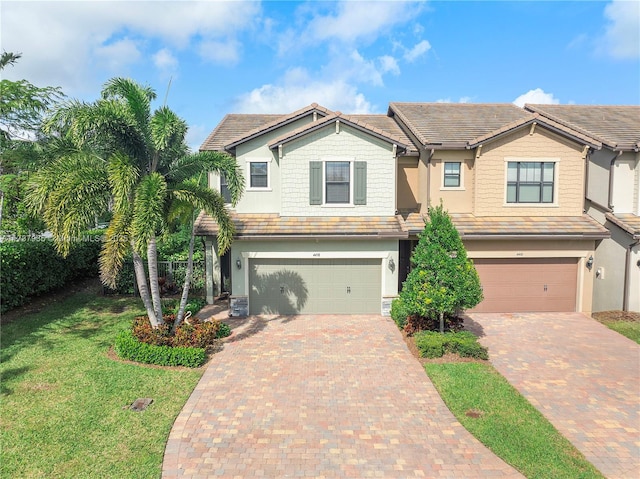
{"points": [[616, 126], [393, 134], [314, 108]]}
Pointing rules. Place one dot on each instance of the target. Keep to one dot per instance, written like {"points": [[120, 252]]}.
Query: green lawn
{"points": [[509, 425], [64, 401], [624, 322]]}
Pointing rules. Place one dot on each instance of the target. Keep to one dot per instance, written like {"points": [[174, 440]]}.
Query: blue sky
{"points": [[356, 57]]}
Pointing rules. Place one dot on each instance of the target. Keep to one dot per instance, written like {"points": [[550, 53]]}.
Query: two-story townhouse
{"points": [[612, 196], [316, 229], [513, 182]]}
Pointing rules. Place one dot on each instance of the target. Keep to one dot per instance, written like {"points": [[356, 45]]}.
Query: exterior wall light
{"points": [[238, 263], [590, 262], [392, 265]]}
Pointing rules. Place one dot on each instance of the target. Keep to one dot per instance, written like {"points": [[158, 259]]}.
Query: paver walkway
{"points": [[321, 396], [582, 376]]}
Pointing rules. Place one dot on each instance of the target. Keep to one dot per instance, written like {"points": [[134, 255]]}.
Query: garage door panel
{"points": [[294, 286], [524, 285]]}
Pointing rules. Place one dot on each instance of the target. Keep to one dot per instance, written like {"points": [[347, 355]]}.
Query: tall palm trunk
{"points": [[152, 262], [141, 278], [187, 282]]}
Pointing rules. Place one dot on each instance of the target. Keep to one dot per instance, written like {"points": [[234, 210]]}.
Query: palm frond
{"points": [[167, 129], [137, 97], [69, 193], [115, 247], [204, 198], [149, 209], [123, 176], [210, 161]]}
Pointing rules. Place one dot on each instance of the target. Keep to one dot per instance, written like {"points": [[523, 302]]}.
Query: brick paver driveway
{"points": [[321, 396], [582, 376]]}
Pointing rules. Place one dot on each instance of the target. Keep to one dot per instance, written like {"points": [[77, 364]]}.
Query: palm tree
{"points": [[115, 153]]}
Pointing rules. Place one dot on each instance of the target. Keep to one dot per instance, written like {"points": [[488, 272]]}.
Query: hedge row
{"points": [[32, 267], [464, 343], [128, 347]]}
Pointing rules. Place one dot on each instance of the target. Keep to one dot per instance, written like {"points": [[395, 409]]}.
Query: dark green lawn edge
{"points": [[508, 424]]}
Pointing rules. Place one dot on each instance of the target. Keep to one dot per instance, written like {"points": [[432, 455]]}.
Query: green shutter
{"points": [[360, 183], [315, 182]]}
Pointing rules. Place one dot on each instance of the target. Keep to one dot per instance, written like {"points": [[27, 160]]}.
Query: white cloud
{"points": [[299, 89], [388, 64], [165, 61], [64, 43], [537, 96], [622, 32], [117, 56], [361, 20], [417, 51]]}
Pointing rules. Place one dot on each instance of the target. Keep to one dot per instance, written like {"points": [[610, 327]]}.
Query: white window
{"points": [[258, 172], [452, 172], [337, 182]]}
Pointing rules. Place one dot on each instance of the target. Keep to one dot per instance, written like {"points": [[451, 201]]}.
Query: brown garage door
{"points": [[527, 285]]}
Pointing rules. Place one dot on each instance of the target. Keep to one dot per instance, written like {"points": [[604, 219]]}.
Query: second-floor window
{"points": [[224, 189], [530, 181], [337, 182], [451, 175], [258, 174]]}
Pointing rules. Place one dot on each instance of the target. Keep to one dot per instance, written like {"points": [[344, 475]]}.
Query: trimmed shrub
{"points": [[224, 330], [33, 267], [430, 344], [399, 312], [464, 343], [127, 346]]}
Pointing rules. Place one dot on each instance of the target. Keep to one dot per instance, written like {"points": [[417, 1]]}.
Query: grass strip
{"points": [[630, 329], [64, 401], [507, 424]]}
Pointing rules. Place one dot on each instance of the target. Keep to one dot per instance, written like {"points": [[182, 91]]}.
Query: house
{"points": [[612, 196], [316, 229], [513, 182], [334, 204]]}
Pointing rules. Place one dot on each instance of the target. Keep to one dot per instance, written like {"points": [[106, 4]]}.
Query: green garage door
{"points": [[320, 286]]}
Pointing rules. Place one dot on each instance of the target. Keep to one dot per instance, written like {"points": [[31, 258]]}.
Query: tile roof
{"points": [[274, 225], [236, 127], [392, 132], [618, 126], [627, 221], [232, 126], [454, 124], [551, 227]]}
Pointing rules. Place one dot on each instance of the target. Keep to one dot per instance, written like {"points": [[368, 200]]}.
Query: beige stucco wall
{"points": [[580, 249], [347, 144], [491, 170], [455, 200], [408, 192], [384, 249]]}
